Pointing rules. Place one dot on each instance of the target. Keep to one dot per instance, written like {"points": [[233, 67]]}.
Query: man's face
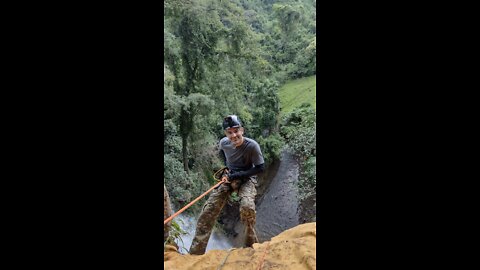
{"points": [[235, 135]]}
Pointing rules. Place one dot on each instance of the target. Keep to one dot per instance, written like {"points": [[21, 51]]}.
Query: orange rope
{"points": [[263, 258], [224, 179]]}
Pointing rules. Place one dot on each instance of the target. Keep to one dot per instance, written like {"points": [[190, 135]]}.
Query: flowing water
{"points": [[218, 240], [277, 210]]}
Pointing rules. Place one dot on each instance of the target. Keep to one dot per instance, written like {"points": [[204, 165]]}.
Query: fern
{"points": [[174, 234]]}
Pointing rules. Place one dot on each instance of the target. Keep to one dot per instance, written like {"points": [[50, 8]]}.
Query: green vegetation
{"points": [[175, 234], [296, 92], [299, 131], [230, 57]]}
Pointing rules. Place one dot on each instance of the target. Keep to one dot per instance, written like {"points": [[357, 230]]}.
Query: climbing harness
{"points": [[219, 175]]}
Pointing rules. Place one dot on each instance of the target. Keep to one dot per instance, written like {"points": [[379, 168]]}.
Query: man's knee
{"points": [[247, 215], [247, 203], [216, 201], [247, 210]]}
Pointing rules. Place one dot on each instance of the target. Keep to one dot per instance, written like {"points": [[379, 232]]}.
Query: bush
{"points": [[307, 182], [299, 130], [175, 234], [182, 187], [271, 147]]}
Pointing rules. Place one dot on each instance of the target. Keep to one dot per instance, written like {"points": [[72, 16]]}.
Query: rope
{"points": [[224, 260], [194, 201], [223, 180], [263, 257]]}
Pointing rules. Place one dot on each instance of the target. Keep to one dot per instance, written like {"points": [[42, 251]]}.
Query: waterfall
{"points": [[218, 240]]}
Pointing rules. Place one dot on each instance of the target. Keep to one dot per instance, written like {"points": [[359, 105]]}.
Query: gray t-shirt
{"points": [[243, 157]]}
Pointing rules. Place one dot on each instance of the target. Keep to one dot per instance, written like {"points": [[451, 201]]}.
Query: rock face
{"points": [[292, 249], [167, 212], [277, 210]]}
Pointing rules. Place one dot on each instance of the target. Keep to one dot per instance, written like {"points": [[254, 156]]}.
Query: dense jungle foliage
{"points": [[230, 57]]}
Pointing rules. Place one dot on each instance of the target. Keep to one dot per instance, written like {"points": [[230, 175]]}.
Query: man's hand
{"points": [[225, 176], [243, 175], [237, 176], [221, 175], [232, 176]]}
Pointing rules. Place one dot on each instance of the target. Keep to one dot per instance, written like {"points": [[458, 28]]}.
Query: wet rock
{"points": [[278, 211]]}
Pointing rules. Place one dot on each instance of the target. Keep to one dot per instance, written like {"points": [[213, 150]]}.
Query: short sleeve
{"points": [[221, 143]]}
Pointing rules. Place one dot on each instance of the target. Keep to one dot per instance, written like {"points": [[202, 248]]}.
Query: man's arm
{"points": [[244, 174], [223, 157]]}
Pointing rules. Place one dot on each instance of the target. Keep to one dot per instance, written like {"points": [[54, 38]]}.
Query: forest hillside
{"points": [[237, 57]]}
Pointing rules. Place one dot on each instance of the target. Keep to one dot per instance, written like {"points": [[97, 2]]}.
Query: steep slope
{"points": [[292, 249]]}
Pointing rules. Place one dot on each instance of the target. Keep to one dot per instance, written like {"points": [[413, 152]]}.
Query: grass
{"points": [[295, 92]]}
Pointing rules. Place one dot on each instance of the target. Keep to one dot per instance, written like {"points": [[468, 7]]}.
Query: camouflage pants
{"points": [[211, 211]]}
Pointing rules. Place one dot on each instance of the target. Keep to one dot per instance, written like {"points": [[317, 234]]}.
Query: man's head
{"points": [[233, 129]]}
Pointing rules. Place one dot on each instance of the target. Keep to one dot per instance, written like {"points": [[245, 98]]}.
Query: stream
{"points": [[276, 206]]}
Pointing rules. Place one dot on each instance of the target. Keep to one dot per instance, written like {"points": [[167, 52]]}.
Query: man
{"points": [[244, 160]]}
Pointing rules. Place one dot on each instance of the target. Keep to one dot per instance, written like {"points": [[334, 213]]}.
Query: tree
{"points": [[288, 17], [191, 42], [266, 107], [227, 57]]}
